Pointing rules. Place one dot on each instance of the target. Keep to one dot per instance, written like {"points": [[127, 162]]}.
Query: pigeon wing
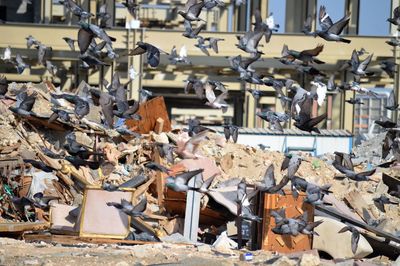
{"points": [[141, 205], [84, 39], [313, 52], [338, 27], [324, 20], [269, 177], [365, 63]]}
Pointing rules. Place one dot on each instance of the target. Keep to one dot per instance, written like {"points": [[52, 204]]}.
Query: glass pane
{"points": [[278, 8], [335, 9], [374, 9]]}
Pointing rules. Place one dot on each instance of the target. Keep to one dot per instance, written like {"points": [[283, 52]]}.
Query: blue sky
{"points": [[373, 14]]}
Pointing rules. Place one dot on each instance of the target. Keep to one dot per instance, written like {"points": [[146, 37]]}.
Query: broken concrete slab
{"points": [[340, 248]]}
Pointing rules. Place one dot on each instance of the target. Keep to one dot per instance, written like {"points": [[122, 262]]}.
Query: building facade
{"points": [[49, 22]]}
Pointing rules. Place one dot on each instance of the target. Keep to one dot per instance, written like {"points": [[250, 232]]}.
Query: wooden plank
{"points": [[159, 125], [160, 182], [358, 204], [73, 240], [22, 227]]}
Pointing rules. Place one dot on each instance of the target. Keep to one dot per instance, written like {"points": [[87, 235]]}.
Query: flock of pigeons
{"points": [[95, 45]]}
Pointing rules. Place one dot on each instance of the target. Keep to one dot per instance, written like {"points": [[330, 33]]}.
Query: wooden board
{"points": [[150, 111], [22, 227], [73, 240], [294, 207]]}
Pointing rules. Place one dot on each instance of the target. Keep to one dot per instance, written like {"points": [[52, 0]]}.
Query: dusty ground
{"points": [[14, 252]]}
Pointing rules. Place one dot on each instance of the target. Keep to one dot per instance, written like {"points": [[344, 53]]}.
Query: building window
{"points": [[278, 8], [335, 9], [372, 17]]}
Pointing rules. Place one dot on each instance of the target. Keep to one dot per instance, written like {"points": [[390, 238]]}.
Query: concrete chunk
{"points": [[338, 245]]}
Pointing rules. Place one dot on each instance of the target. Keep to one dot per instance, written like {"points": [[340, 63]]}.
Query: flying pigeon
{"points": [[355, 237], [153, 53], [330, 31], [192, 10]]}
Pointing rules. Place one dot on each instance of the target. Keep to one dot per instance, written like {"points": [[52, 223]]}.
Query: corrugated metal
{"points": [[290, 132]]}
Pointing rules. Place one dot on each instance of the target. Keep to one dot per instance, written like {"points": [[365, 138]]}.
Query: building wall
{"points": [[168, 79]]}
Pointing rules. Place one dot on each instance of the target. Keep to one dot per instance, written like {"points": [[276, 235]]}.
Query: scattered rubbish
{"points": [[77, 181]]}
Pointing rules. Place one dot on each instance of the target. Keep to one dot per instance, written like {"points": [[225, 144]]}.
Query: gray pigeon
{"points": [[192, 10], [381, 201], [389, 67], [127, 207], [190, 32], [391, 103], [395, 20], [355, 237], [269, 185], [362, 176], [179, 183], [82, 106], [359, 68], [231, 131], [70, 42], [331, 31], [20, 65], [153, 53], [24, 103], [274, 118], [292, 164]]}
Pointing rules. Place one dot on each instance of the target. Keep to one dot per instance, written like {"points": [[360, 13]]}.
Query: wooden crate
{"points": [[294, 207]]}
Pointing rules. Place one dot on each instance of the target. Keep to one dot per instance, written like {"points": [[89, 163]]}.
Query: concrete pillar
{"points": [[296, 11], [46, 11], [349, 112], [136, 62], [353, 7], [111, 11]]}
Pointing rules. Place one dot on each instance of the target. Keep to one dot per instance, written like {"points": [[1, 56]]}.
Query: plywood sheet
{"points": [[100, 220], [294, 207], [150, 111]]}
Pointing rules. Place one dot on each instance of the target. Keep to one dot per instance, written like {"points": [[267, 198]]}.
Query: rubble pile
{"points": [[34, 160]]}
